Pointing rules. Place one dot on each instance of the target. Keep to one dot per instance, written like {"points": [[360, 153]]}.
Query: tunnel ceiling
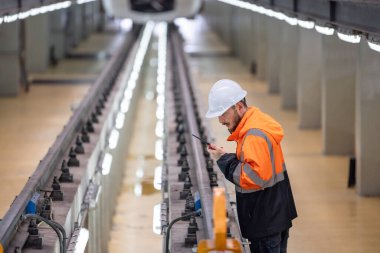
{"points": [[361, 15]]}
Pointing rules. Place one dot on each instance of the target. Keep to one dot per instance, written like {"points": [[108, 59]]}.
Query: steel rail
{"points": [[53, 158], [204, 188]]}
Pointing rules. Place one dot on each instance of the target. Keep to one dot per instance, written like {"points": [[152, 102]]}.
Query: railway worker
{"points": [[264, 197]]}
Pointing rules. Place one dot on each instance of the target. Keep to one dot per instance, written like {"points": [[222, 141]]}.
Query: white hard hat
{"points": [[223, 94]]}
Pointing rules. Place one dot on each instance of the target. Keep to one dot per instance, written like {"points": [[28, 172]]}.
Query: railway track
{"points": [[189, 173]]}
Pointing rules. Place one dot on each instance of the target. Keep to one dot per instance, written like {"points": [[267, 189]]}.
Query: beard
{"points": [[235, 122]]}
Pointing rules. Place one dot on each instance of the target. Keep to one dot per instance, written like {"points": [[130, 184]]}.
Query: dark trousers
{"points": [[276, 243]]}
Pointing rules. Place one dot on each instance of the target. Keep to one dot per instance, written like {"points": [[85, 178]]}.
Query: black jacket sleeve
{"points": [[227, 164]]}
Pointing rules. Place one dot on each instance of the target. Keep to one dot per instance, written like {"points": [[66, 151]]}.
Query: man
{"points": [[264, 197]]}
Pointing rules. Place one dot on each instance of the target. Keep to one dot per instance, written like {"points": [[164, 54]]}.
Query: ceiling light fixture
{"points": [[351, 38], [307, 24], [374, 42], [325, 30]]}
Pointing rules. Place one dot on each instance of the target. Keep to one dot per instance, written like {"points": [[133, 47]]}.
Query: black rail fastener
{"points": [[182, 176], [187, 184], [66, 176], [94, 118], [79, 149], [193, 226], [213, 180], [84, 136], [56, 194], [184, 171], [46, 210], [73, 160], [182, 139], [181, 160], [179, 147], [184, 194], [190, 240], [180, 129], [98, 110], [101, 103], [209, 164], [89, 127], [183, 151], [34, 240], [179, 118]]}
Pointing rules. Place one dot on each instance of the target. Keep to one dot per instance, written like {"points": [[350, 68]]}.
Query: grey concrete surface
{"points": [[289, 66], [309, 80], [9, 61], [274, 55], [368, 121], [338, 96]]}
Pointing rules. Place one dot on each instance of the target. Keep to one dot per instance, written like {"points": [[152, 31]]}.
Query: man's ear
{"points": [[240, 105], [240, 108]]}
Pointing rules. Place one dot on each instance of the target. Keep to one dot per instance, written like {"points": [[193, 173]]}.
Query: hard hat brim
{"points": [[211, 115]]}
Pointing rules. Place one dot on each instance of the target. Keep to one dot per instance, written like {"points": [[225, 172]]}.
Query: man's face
{"points": [[230, 119]]}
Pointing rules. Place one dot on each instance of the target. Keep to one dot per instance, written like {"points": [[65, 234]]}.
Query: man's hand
{"points": [[216, 151]]}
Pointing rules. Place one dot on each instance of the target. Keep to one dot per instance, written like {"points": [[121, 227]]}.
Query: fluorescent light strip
{"points": [[140, 172], [351, 38], [269, 12], [157, 178], [374, 46], [157, 219], [255, 8], [138, 189], [159, 130], [160, 113], [106, 164], [34, 12], [324, 30], [291, 21], [23, 15], [162, 48], [10, 18], [126, 24], [159, 152], [246, 5], [141, 51], [124, 106], [84, 1], [160, 88], [305, 24], [160, 99], [113, 139], [119, 122], [82, 240], [128, 93], [279, 15]]}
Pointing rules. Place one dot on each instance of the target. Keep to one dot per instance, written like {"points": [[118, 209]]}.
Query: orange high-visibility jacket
{"points": [[264, 197], [262, 163]]}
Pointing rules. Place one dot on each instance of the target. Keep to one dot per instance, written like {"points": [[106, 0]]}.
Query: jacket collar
{"points": [[236, 134]]}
